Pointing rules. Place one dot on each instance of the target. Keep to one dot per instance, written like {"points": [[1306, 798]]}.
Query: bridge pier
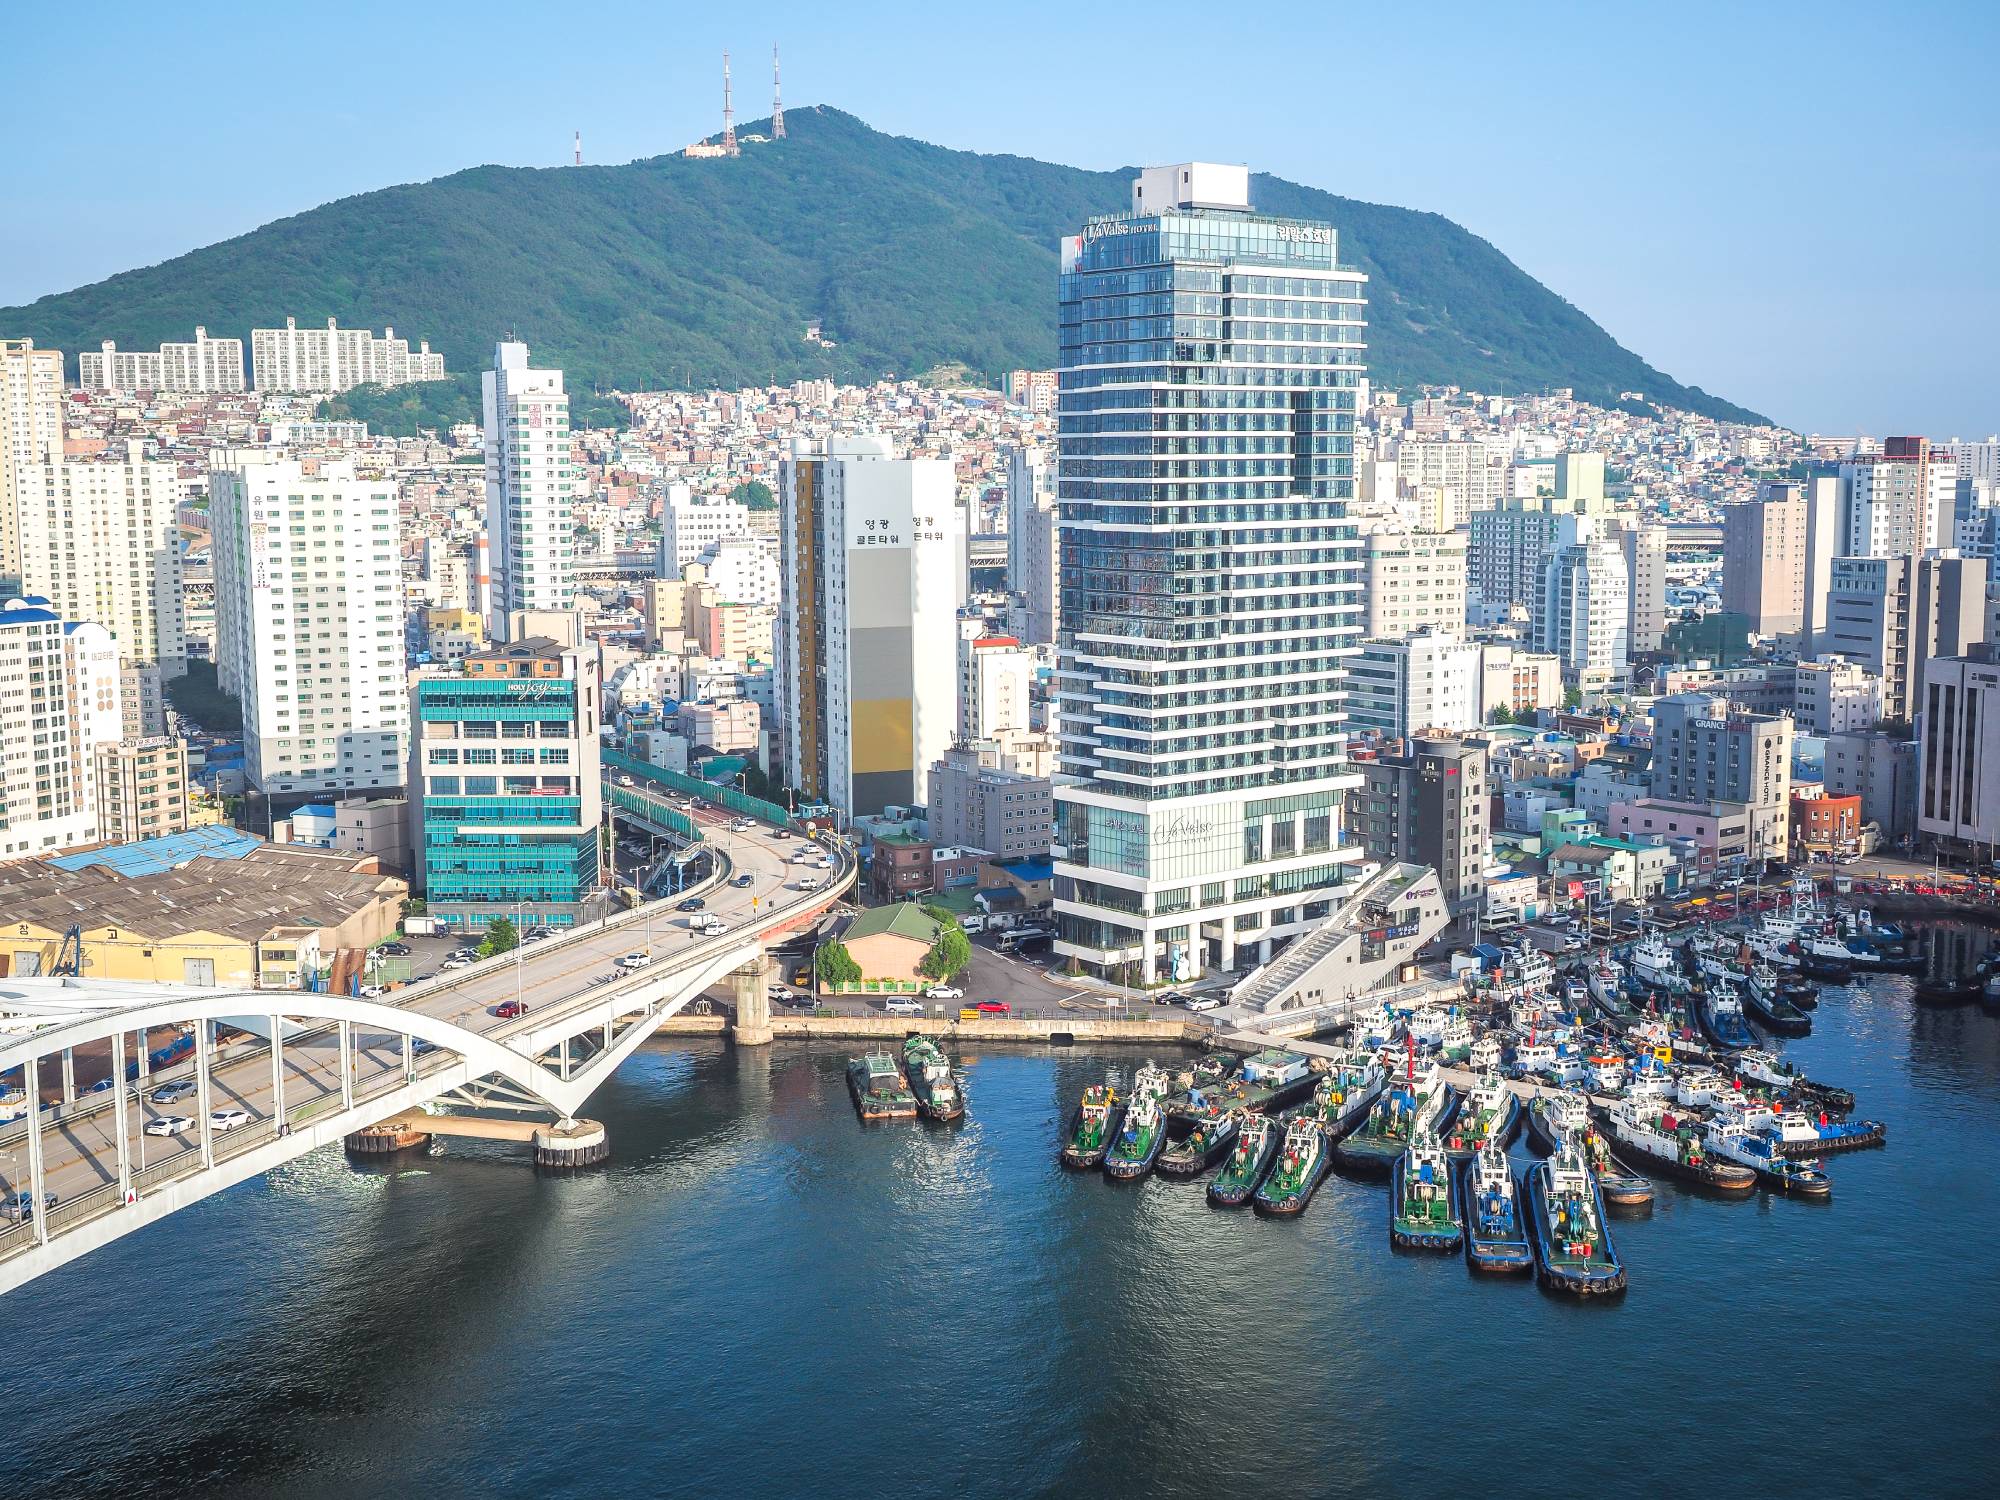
{"points": [[386, 1139], [571, 1143], [749, 992]]}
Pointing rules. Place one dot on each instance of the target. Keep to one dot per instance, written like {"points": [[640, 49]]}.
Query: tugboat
{"points": [[879, 1092], [1423, 1198], [1257, 1140], [1202, 1147], [1296, 1175], [931, 1079], [1801, 1177], [1796, 1134], [1572, 1241], [1662, 1141], [1552, 1122], [1268, 1081], [1490, 1113], [1346, 1092], [1495, 1238], [1093, 1127], [1758, 1066], [1769, 1007], [1719, 1009], [1825, 958], [1652, 961], [1143, 1133], [1404, 1108]]}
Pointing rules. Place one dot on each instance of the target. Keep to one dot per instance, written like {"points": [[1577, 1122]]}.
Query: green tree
{"points": [[1572, 698], [755, 494], [836, 966], [1503, 715], [949, 955], [500, 937], [199, 696]]}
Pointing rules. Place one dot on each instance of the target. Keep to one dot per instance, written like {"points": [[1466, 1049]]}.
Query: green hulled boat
{"points": [[1404, 1108], [1093, 1126], [1258, 1138], [878, 1088], [931, 1079], [1489, 1111], [1293, 1179], [1201, 1148], [1423, 1198], [1143, 1133]]}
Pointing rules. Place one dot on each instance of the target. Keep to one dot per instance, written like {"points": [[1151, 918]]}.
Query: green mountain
{"points": [[705, 272]]}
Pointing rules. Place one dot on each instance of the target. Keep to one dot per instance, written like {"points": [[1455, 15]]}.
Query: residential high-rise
{"points": [[332, 359], [1645, 548], [59, 702], [142, 789], [1469, 476], [1899, 501], [530, 512], [505, 788], [309, 623], [690, 524], [1031, 540], [995, 678], [1209, 358], [1764, 559], [1703, 751], [1892, 614], [1583, 614], [1507, 554], [977, 806], [1835, 696], [31, 441], [872, 556], [1958, 797], [1579, 481], [205, 365], [1410, 581], [1430, 805], [1826, 535]]}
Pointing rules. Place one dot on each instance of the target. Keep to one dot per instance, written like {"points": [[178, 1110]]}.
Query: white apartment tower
{"points": [[530, 507], [995, 680], [1583, 614], [333, 359], [31, 440], [309, 622], [1900, 501], [205, 365], [690, 524], [1031, 541], [59, 702]]}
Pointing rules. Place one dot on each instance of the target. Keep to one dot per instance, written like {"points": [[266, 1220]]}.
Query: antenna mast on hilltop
{"points": [[777, 100], [728, 111], [579, 148]]}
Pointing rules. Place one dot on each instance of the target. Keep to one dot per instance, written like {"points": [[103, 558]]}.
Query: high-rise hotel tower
{"points": [[1209, 362]]}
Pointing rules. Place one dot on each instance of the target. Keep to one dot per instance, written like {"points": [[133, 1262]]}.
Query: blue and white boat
{"points": [[1496, 1232], [1571, 1237]]}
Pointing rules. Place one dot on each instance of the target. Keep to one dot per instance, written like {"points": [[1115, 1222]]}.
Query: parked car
{"points": [[1172, 997], [507, 1010], [904, 1007], [169, 1125], [995, 1007], [395, 950], [454, 963], [943, 992], [226, 1120], [1202, 1003]]}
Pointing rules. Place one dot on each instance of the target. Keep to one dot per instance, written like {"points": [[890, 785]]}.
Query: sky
{"points": [[1793, 205]]}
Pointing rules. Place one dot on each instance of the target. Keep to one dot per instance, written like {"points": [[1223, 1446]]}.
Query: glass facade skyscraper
{"points": [[1209, 364]]}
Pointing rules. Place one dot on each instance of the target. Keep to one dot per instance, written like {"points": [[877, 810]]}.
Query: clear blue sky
{"points": [[1794, 205]]}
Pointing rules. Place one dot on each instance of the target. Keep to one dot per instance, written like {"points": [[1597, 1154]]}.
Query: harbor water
{"points": [[760, 1296]]}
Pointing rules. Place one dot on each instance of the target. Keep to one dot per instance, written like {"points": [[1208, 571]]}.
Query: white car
{"points": [[633, 961], [371, 992], [1201, 1003], [227, 1119], [944, 992], [903, 1007], [168, 1125], [808, 883]]}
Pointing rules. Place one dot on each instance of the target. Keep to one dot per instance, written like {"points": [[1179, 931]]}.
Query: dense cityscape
{"points": [[453, 854]]}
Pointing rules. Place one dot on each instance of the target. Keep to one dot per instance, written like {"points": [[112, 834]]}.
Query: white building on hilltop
{"points": [[203, 366], [332, 359]]}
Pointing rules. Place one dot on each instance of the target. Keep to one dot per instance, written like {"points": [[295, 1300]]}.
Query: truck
{"points": [[423, 926]]}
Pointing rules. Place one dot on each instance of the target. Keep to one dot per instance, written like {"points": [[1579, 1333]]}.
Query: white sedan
{"points": [[169, 1125], [944, 992], [227, 1119]]}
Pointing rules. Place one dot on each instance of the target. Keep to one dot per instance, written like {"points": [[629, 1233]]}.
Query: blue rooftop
{"points": [[1029, 869], [157, 855]]}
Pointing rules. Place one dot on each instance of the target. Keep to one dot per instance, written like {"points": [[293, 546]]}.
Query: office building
{"points": [[1899, 501], [1764, 560], [1207, 608], [309, 623], [872, 554], [59, 702], [1429, 680], [529, 489], [31, 442], [1583, 613], [979, 807], [1706, 751], [1031, 541], [1522, 682], [1835, 696], [1892, 614], [505, 786], [995, 681], [1881, 769], [207, 365], [1958, 751], [330, 359], [1579, 482], [690, 524], [1430, 805], [1411, 581]]}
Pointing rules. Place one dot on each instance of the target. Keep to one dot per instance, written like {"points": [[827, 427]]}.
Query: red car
{"points": [[995, 1007], [506, 1010]]}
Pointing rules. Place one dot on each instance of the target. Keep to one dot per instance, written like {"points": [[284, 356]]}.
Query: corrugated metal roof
{"points": [[154, 856]]}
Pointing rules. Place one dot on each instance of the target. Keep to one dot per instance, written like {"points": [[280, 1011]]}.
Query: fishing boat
{"points": [[1487, 1054], [1496, 1236], [1799, 1134], [1797, 988], [1769, 1007], [878, 1088], [1423, 1198], [1779, 949], [1652, 961], [1455, 1041], [1719, 1009], [1572, 1239], [1141, 1136], [1293, 1178], [1202, 1147], [1093, 1126], [1405, 1106], [1700, 1088], [1346, 1092], [1755, 1065], [1256, 1147], [1490, 1112], [1801, 1177], [931, 1079], [1660, 1140], [1825, 958]]}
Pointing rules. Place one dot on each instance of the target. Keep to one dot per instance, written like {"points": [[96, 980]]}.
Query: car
{"points": [[535, 935], [468, 954], [102, 1086], [808, 883], [394, 950], [1172, 997], [743, 882], [1573, 944], [633, 961], [1203, 1003], [995, 1008], [781, 833], [169, 1125], [226, 1120], [905, 1007], [693, 903], [793, 998], [943, 992], [371, 992], [507, 1010], [454, 963], [20, 1207], [173, 1093], [421, 1048]]}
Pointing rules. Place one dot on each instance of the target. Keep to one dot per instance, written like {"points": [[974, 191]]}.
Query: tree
{"points": [[1503, 715], [500, 937], [1572, 698], [755, 494], [949, 955], [835, 966]]}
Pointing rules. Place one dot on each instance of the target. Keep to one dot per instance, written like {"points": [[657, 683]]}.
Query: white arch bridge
{"points": [[306, 1070]]}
